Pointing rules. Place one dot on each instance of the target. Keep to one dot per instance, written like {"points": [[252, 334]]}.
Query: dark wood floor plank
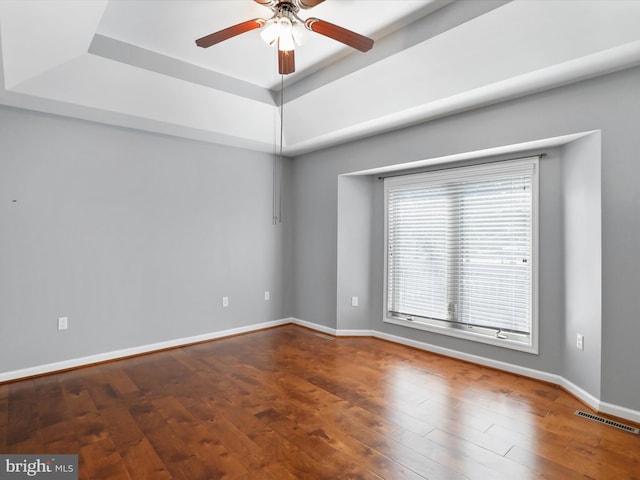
{"points": [[101, 459], [142, 461], [118, 379], [51, 407], [200, 439], [3, 439], [207, 446], [142, 411], [287, 403], [60, 439], [23, 427], [236, 440], [177, 457], [87, 422], [4, 416], [312, 439], [280, 449], [325, 429], [121, 426]]}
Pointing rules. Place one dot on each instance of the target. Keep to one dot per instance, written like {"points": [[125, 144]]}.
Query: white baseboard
{"points": [[504, 366], [584, 396], [128, 352], [618, 411], [487, 362], [591, 400], [314, 326]]}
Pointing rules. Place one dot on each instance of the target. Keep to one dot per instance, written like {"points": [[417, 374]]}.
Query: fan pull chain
{"points": [[277, 163]]}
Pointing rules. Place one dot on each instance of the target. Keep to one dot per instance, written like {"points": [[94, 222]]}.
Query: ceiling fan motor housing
{"points": [[296, 4]]}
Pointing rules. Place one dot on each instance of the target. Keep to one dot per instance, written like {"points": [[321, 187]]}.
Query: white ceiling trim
{"points": [[514, 149], [119, 51], [600, 63], [491, 58], [107, 86]]}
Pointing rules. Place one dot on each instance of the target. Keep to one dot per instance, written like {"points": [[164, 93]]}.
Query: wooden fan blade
{"points": [[352, 39], [309, 3], [229, 32], [267, 3], [286, 62]]}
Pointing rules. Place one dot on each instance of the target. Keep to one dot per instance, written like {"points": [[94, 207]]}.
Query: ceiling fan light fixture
{"points": [[281, 32], [300, 33], [270, 33], [286, 43]]}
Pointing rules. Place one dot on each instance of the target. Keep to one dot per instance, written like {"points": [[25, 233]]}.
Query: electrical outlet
{"points": [[580, 342], [266, 296], [354, 301], [63, 323], [225, 301]]}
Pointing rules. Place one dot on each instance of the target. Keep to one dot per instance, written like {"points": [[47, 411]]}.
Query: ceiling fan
{"points": [[285, 29]]}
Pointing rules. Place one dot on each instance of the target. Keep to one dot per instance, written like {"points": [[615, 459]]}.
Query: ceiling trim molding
{"points": [[75, 112], [439, 18], [590, 66], [130, 54]]}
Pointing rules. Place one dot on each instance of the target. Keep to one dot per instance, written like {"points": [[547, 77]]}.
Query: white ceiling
{"points": [[134, 63], [170, 28]]}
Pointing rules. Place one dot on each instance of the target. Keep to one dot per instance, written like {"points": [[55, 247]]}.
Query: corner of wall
{"points": [[582, 200]]}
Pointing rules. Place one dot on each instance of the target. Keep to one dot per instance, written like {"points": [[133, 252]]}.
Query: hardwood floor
{"points": [[288, 403]]}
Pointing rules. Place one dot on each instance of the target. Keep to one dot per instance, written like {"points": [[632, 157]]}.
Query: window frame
{"points": [[524, 343]]}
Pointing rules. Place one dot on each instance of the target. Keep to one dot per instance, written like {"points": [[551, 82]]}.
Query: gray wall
{"points": [[135, 237], [356, 268], [366, 194], [611, 104], [582, 212]]}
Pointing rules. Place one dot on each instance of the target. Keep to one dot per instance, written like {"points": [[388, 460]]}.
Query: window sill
{"points": [[473, 334]]}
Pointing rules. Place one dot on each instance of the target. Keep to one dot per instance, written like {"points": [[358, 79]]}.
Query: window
{"points": [[461, 252]]}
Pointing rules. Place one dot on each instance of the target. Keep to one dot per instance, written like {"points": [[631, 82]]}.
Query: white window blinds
{"points": [[460, 243]]}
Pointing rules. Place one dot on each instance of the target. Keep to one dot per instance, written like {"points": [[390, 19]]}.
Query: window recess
{"points": [[461, 252]]}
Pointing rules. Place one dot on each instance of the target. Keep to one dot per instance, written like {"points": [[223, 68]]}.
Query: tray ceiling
{"points": [[134, 63]]}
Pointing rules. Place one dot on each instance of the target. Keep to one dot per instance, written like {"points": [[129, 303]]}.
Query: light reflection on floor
{"points": [[463, 421]]}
